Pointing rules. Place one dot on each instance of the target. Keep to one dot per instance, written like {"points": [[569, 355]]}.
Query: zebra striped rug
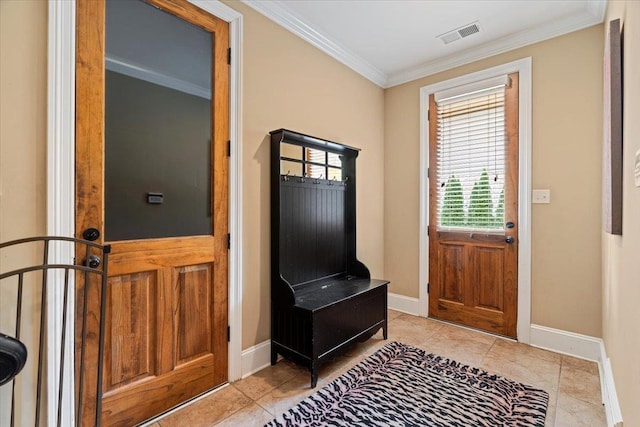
{"points": [[401, 385]]}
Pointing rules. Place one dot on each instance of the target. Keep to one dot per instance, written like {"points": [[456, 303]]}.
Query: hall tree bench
{"points": [[323, 300]]}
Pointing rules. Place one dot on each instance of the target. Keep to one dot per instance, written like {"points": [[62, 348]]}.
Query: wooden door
{"points": [[166, 311], [473, 272]]}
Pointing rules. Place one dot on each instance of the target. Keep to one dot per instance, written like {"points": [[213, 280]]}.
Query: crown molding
{"points": [[552, 29], [279, 13], [282, 15]]}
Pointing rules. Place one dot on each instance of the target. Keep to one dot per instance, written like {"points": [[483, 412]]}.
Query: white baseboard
{"points": [[404, 304], [608, 388], [256, 358], [584, 347], [570, 343]]}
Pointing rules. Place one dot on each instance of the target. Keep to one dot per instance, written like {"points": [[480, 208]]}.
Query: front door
{"points": [[473, 193], [152, 97]]}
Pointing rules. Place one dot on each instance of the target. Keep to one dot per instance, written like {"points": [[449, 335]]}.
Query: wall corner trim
{"points": [[403, 304]]}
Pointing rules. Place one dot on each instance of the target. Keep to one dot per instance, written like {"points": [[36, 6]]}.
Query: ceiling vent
{"points": [[460, 33]]}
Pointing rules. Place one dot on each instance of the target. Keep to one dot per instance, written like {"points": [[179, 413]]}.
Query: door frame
{"points": [[523, 67], [61, 185]]}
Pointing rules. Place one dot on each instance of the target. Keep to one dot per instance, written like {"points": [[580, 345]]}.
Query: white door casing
{"points": [[523, 67]]}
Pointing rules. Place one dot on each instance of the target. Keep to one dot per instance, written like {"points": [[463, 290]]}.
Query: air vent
{"points": [[460, 33]]}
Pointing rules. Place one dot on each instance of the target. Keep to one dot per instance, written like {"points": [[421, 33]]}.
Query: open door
{"points": [[152, 125]]}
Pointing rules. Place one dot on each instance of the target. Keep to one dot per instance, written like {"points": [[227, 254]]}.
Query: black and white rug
{"points": [[401, 385]]}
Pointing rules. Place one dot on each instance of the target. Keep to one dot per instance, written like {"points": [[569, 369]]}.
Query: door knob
{"points": [[509, 239], [510, 224], [91, 234], [93, 261]]}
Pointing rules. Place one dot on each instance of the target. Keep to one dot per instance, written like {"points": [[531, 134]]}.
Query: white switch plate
{"points": [[541, 196]]}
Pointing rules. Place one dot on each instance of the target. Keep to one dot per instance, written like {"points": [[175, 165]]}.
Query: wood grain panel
{"points": [[169, 298], [89, 155], [193, 317], [135, 403], [488, 277], [477, 286], [451, 276], [130, 329]]}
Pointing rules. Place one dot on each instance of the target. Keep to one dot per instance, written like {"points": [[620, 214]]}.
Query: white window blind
{"points": [[471, 159], [327, 165]]}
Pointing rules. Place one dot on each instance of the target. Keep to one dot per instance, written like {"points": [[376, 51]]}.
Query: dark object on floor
{"points": [[323, 299], [13, 355], [401, 385]]}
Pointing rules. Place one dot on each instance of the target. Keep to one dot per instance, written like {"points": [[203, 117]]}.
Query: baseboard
{"points": [[256, 358], [584, 347], [608, 387], [404, 304], [570, 343]]}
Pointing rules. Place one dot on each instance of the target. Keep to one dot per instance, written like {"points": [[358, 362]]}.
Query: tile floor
{"points": [[573, 384]]}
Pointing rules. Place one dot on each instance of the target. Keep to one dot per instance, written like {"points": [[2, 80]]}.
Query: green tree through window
{"points": [[453, 206]]}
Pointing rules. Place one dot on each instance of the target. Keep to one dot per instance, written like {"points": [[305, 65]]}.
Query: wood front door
{"points": [[473, 193], [152, 179]]}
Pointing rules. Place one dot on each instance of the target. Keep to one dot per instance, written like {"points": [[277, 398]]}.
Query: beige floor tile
{"points": [[427, 326], [406, 332], [530, 370], [392, 314], [459, 333], [287, 395], [459, 344], [585, 365], [252, 415], [513, 350], [572, 412], [258, 384], [208, 411], [550, 419], [580, 384]]}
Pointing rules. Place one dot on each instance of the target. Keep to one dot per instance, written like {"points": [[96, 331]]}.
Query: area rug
{"points": [[401, 385]]}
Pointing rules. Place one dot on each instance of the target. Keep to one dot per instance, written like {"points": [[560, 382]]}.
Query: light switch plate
{"points": [[637, 168], [541, 196]]}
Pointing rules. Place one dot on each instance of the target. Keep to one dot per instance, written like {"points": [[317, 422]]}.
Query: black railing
{"points": [[90, 275]]}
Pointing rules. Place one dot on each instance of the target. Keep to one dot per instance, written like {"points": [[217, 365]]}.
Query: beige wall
{"points": [[290, 84], [566, 138], [23, 113], [621, 254]]}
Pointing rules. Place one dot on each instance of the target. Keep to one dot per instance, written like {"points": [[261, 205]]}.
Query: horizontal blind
{"points": [[470, 151], [316, 156]]}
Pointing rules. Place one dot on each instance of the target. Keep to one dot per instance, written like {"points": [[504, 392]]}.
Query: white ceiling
{"points": [[395, 41]]}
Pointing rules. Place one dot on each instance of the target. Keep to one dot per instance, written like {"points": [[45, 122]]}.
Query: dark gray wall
{"points": [[157, 140]]}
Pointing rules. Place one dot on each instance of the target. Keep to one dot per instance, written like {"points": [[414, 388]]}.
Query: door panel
{"points": [[473, 271], [489, 293], [193, 316], [166, 312], [451, 283], [130, 340]]}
